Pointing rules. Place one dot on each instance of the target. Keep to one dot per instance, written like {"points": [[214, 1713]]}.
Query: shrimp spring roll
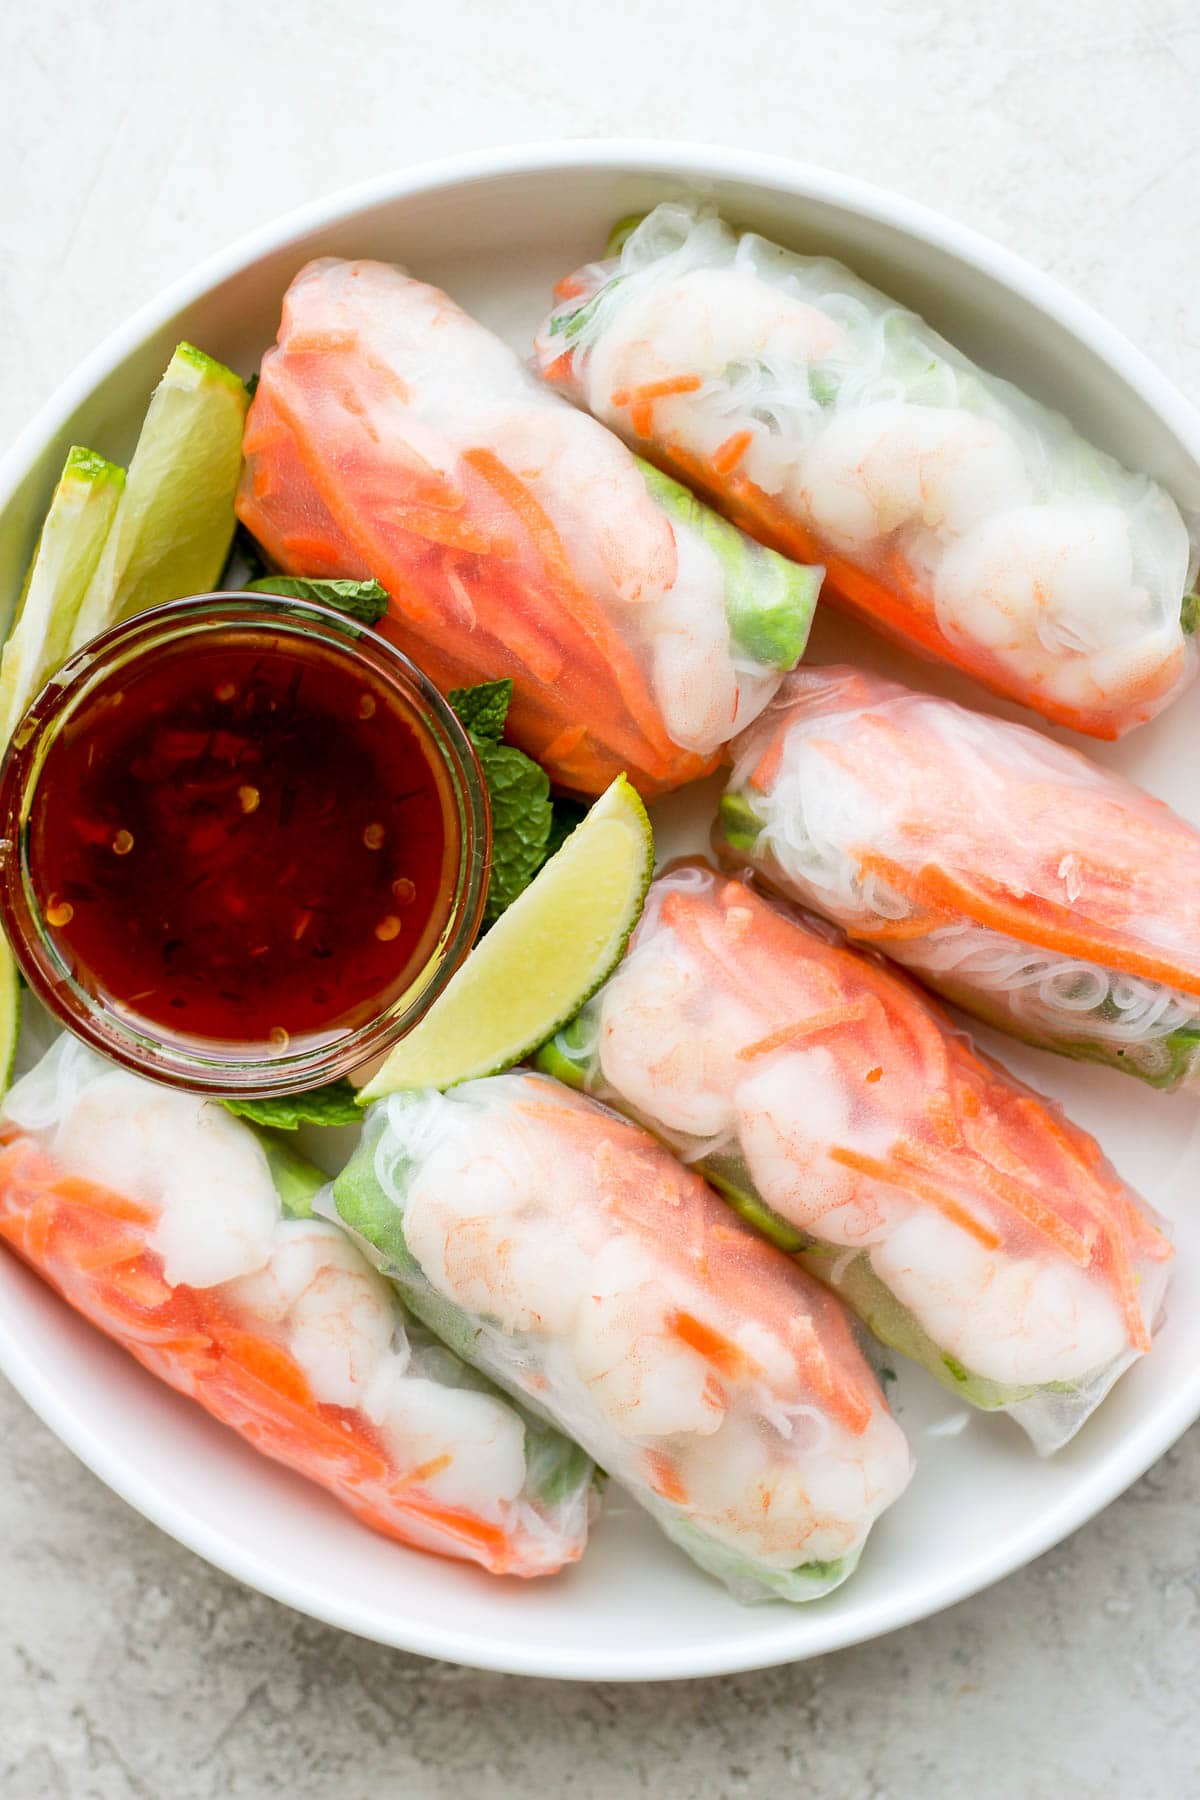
{"points": [[391, 435], [159, 1217], [955, 513], [1047, 895], [573, 1259], [969, 1224]]}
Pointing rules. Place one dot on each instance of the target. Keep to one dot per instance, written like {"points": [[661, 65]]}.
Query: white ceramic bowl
{"points": [[497, 229]]}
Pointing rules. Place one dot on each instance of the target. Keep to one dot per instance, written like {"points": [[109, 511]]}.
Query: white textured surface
{"points": [[137, 138]]}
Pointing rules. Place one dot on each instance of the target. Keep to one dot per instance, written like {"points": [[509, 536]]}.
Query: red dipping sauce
{"points": [[245, 842]]}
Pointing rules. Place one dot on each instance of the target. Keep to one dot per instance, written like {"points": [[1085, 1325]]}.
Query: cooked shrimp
{"points": [[1051, 592], [937, 468], [592, 1273], [1025, 882], [908, 1165], [960, 516], [516, 537], [789, 1115], [1022, 1321], [279, 1327], [707, 321], [669, 1042]]}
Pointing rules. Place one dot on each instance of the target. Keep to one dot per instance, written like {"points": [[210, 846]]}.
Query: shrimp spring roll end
{"points": [[570, 1256], [953, 512], [158, 1216], [970, 1225], [393, 436], [1045, 894]]}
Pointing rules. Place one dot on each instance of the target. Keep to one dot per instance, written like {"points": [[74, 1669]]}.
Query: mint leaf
{"points": [[519, 791], [333, 1104], [483, 709], [1189, 612], [364, 600]]}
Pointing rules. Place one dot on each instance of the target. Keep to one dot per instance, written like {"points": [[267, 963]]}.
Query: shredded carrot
{"points": [[1032, 1208], [727, 455], [78, 1192], [270, 1365], [560, 370], [321, 341], [664, 1478], [103, 1255], [725, 1356], [567, 741], [999, 912], [140, 1287], [895, 1174], [427, 1470], [587, 613], [650, 391], [837, 1018]]}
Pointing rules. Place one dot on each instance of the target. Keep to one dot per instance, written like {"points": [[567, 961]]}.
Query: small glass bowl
{"points": [[202, 1064]]}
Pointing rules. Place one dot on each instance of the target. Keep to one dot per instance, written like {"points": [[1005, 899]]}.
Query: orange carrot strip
{"points": [[78, 1192], [589, 616], [268, 1364], [727, 455], [560, 370], [835, 1019], [1032, 1208], [894, 1175], [725, 1356], [664, 1478], [1000, 913], [102, 1255], [427, 1470], [650, 391]]}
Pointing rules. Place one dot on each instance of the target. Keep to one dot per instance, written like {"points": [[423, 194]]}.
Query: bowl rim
{"points": [[678, 160]]}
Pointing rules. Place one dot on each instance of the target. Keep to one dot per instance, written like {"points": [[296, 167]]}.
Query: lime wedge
{"points": [[542, 958], [68, 551], [173, 527]]}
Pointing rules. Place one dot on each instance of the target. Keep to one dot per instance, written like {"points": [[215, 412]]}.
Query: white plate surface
{"points": [[496, 230]]}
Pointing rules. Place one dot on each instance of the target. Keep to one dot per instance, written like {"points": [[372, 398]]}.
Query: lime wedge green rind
{"points": [[175, 521], [541, 960], [10, 1013], [69, 549]]}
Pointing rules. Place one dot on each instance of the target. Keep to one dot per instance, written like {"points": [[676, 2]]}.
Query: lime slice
{"points": [[68, 550], [542, 958], [174, 525], [10, 1013]]}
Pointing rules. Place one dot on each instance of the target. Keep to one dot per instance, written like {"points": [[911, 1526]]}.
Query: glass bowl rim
{"points": [[136, 1047]]}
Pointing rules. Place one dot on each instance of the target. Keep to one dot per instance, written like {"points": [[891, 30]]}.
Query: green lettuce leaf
{"points": [[769, 600], [296, 1180]]}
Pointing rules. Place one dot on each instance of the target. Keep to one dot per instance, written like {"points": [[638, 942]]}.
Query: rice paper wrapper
{"points": [[954, 512], [393, 436], [158, 1216], [1045, 894], [571, 1258], [964, 1219]]}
